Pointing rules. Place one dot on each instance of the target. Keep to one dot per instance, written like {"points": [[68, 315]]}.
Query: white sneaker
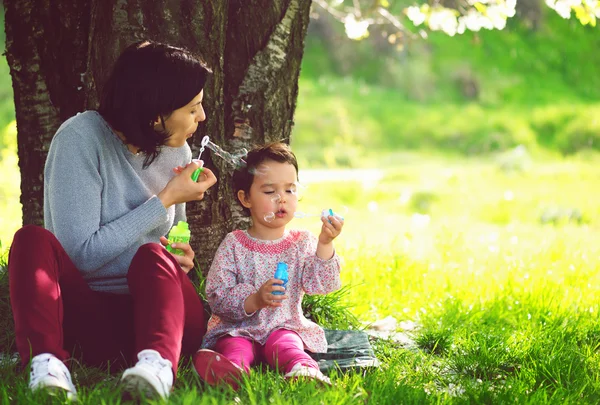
{"points": [[151, 376], [300, 370], [50, 373]]}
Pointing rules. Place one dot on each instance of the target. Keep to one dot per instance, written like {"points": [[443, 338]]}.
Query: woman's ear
{"points": [[241, 195], [158, 123]]}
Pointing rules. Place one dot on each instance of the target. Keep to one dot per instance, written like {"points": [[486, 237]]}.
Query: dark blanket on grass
{"points": [[346, 350]]}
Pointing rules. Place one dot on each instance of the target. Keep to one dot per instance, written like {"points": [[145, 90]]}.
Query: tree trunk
{"points": [[60, 53]]}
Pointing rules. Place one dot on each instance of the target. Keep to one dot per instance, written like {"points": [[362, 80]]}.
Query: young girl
{"points": [[250, 322]]}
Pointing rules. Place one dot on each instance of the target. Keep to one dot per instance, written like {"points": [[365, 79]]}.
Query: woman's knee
{"points": [[150, 249], [28, 239], [150, 259], [31, 235]]}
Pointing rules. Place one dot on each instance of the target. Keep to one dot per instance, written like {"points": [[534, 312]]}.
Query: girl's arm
{"points": [[319, 276], [225, 295]]}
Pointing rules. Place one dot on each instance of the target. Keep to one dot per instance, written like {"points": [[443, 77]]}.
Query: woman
{"points": [[100, 285]]}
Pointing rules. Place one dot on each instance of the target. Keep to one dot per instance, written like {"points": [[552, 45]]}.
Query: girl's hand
{"points": [[182, 188], [264, 297], [331, 229], [187, 260]]}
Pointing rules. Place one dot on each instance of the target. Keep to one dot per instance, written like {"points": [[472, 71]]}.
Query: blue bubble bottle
{"points": [[281, 274]]}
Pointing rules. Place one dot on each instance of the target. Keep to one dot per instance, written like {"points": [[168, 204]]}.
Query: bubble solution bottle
{"points": [[179, 234], [197, 173], [281, 274]]}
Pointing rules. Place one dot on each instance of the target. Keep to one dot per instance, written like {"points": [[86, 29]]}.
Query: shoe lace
{"points": [[39, 366], [154, 360]]}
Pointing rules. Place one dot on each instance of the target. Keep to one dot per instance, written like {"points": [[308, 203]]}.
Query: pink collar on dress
{"points": [[272, 247]]}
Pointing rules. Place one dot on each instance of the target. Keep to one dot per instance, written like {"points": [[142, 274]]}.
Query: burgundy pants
{"points": [[55, 311]]}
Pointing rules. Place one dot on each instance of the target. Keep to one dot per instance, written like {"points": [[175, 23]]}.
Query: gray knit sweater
{"points": [[100, 203]]}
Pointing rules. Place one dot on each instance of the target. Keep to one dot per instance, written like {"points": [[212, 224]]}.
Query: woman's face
{"points": [[183, 122]]}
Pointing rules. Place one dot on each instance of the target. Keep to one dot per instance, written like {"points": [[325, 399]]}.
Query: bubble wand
{"points": [[235, 160], [324, 214], [203, 143]]}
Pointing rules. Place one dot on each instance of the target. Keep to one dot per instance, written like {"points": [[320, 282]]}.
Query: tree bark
{"points": [[60, 54]]}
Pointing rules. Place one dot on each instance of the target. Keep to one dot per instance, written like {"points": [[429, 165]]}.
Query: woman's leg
{"points": [[100, 332], [53, 307], [284, 349], [167, 309]]}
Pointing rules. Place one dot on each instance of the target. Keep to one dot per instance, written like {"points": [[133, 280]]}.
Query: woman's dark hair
{"points": [[150, 80], [276, 151]]}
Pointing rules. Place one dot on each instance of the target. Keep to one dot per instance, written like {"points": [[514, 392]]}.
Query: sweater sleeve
{"points": [[74, 202], [319, 276], [180, 213], [225, 295]]}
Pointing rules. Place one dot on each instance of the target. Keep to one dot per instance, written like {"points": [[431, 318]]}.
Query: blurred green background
{"points": [[529, 91], [535, 83]]}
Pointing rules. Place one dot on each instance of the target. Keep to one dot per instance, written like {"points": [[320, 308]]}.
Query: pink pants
{"points": [[55, 311], [282, 350]]}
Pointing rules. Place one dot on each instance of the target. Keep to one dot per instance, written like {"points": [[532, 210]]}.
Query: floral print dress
{"points": [[243, 264]]}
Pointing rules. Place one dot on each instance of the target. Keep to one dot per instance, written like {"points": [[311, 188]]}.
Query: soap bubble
{"points": [[259, 171], [299, 190], [234, 159], [269, 217]]}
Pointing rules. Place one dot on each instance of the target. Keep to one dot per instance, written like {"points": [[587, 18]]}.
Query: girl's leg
{"points": [[284, 349], [237, 349], [53, 307], [233, 357], [167, 310]]}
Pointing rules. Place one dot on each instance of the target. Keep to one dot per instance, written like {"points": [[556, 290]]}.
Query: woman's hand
{"points": [[187, 260], [182, 188], [179, 169], [264, 297]]}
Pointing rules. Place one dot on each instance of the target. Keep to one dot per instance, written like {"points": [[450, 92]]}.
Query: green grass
{"points": [[505, 301]]}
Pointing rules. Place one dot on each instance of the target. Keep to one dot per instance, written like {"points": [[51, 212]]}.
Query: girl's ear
{"points": [[241, 195]]}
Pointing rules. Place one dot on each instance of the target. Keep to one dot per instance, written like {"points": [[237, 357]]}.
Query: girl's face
{"points": [[183, 122], [272, 199]]}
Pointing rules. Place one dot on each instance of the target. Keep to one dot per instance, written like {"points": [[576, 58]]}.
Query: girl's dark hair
{"points": [[150, 80], [276, 151]]}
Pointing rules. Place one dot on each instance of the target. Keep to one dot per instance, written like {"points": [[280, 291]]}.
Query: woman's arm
{"points": [[74, 192]]}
